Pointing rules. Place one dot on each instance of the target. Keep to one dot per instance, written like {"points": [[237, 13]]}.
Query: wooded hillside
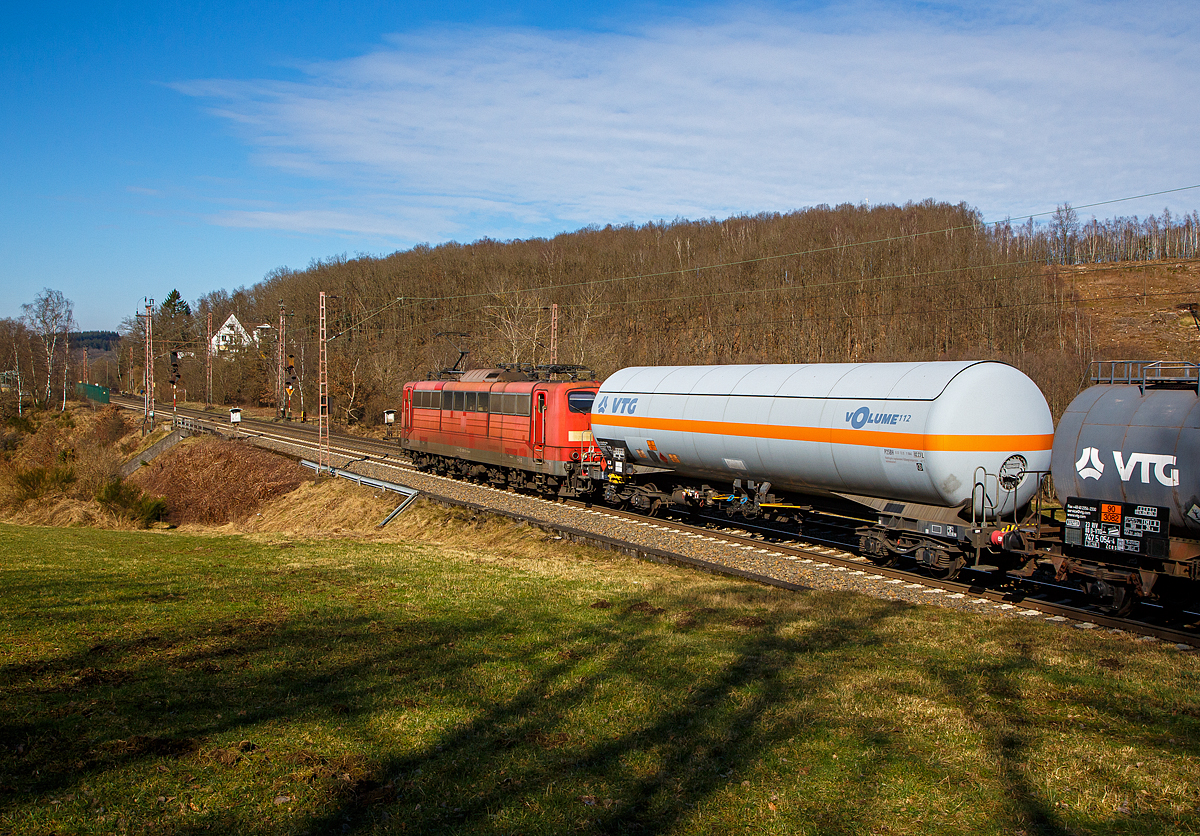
{"points": [[918, 282]]}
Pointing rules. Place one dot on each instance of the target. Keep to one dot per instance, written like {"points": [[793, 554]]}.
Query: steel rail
{"points": [[830, 554]]}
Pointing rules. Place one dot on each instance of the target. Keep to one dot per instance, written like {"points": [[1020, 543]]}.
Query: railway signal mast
{"points": [[280, 410], [290, 384], [323, 393], [148, 369], [174, 378], [208, 353]]}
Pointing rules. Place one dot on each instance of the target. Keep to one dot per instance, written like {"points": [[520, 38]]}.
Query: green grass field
{"points": [[167, 683]]}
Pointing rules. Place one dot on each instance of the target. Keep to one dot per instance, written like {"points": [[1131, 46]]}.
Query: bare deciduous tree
{"points": [[50, 316], [15, 338], [516, 314]]}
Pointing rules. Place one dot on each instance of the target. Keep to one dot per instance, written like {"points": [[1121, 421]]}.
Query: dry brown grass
{"points": [[319, 509], [86, 443], [214, 481], [68, 512], [1132, 308]]}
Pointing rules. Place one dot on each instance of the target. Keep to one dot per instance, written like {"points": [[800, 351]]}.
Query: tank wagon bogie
{"points": [[939, 463], [922, 459], [508, 427]]}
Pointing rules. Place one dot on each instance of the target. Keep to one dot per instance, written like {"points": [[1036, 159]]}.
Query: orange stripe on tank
{"points": [[829, 435]]}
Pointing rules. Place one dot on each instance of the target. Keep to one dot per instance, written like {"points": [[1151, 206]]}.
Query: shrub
{"points": [[39, 481], [127, 501], [109, 427], [21, 423]]}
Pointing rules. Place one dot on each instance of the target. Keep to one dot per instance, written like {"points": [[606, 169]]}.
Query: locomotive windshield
{"points": [[580, 400]]}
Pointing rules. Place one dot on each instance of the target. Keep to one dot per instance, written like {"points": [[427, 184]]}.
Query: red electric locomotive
{"points": [[514, 426]]}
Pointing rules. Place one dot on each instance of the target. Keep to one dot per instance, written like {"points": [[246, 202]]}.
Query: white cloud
{"points": [[467, 132]]}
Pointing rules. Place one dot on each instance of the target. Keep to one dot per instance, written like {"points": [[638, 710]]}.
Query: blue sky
{"points": [[198, 146]]}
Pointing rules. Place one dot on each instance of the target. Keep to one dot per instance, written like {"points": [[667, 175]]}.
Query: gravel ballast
{"points": [[662, 535]]}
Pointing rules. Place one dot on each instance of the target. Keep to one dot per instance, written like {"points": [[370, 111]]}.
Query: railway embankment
{"points": [[819, 568]]}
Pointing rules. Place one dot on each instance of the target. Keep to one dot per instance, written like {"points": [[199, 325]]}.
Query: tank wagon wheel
{"points": [[875, 547], [1119, 596], [949, 571], [939, 563], [655, 504]]}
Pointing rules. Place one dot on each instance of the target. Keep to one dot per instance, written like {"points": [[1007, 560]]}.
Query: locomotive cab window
{"points": [[580, 400]]}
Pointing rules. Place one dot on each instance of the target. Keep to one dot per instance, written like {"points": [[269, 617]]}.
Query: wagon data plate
{"points": [[1117, 527]]}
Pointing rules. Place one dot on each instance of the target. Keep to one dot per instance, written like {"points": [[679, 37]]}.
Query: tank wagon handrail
{"points": [[984, 503], [1019, 477], [1142, 373]]}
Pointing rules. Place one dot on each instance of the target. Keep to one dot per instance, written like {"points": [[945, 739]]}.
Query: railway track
{"points": [[1013, 595]]}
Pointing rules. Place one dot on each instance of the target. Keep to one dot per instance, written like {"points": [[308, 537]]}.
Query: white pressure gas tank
{"points": [[913, 432]]}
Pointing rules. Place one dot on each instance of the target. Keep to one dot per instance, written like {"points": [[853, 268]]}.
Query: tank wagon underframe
{"points": [[942, 464], [941, 539]]}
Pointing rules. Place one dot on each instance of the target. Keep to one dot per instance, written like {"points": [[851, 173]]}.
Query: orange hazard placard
{"points": [[1110, 514]]}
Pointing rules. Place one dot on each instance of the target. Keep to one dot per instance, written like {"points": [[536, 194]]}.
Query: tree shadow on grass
{"points": [[542, 721], [183, 696], [989, 693]]}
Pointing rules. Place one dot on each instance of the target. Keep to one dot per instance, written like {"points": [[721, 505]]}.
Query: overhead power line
{"points": [[808, 252]]}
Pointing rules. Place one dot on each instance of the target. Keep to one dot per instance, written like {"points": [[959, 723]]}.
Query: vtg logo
{"points": [[623, 406], [1166, 472]]}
